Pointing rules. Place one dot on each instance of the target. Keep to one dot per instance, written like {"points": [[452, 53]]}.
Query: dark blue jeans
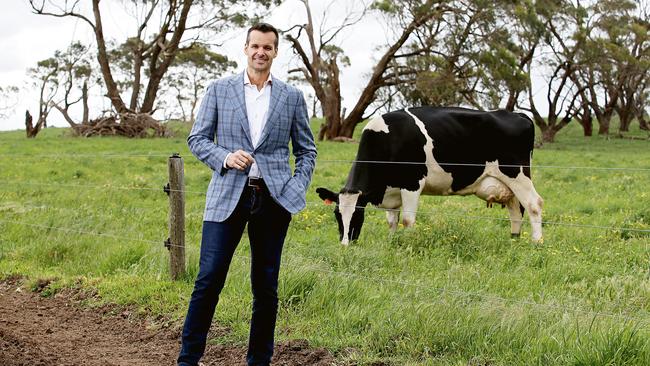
{"points": [[267, 228]]}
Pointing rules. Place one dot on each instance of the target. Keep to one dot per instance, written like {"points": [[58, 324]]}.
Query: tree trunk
{"points": [[137, 74], [157, 71], [512, 101], [625, 120], [586, 121], [66, 115], [84, 101], [552, 127], [332, 113], [112, 91], [28, 124], [195, 101], [603, 126], [347, 130], [548, 135], [587, 125], [643, 124], [30, 129]]}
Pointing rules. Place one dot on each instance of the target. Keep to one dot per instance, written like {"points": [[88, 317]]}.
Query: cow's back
{"points": [[464, 140]]}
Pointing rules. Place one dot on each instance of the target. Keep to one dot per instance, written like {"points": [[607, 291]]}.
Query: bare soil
{"points": [[58, 330]]}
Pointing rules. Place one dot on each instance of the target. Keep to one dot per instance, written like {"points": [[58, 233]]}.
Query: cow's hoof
{"points": [[514, 235]]}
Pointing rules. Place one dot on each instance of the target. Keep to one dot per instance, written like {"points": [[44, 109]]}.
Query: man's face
{"points": [[260, 50]]}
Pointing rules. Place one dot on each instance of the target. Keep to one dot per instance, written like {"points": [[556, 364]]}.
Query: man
{"points": [[242, 132]]}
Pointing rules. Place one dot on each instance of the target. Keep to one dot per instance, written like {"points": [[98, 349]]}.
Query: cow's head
{"points": [[348, 212]]}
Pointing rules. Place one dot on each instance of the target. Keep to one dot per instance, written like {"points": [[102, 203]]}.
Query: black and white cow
{"points": [[439, 151]]}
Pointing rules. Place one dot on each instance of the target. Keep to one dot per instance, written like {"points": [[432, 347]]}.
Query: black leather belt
{"points": [[257, 183]]}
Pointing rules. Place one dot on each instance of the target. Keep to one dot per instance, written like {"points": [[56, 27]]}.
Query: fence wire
{"points": [[340, 161], [438, 212], [443, 164], [95, 186], [330, 272], [453, 292]]}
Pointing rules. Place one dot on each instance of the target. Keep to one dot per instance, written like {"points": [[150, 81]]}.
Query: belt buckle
{"points": [[254, 183]]}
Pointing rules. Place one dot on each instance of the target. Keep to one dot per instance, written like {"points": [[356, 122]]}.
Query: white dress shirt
{"points": [[257, 111]]}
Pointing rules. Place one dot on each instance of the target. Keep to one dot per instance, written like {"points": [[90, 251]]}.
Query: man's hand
{"points": [[239, 160]]}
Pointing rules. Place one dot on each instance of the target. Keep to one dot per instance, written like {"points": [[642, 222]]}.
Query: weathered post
{"points": [[176, 241]]}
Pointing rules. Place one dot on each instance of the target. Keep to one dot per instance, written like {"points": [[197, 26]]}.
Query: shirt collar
{"points": [[247, 80]]}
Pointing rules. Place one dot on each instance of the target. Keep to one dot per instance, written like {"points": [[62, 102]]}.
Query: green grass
{"points": [[455, 290]]}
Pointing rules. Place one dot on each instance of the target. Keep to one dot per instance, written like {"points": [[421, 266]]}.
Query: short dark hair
{"points": [[264, 28]]}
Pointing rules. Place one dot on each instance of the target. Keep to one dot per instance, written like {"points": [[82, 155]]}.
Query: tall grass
{"points": [[456, 289]]}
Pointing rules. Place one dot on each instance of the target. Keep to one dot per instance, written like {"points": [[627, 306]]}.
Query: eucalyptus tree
{"points": [[321, 58], [477, 55], [75, 75], [615, 61], [630, 48], [193, 68], [468, 57], [562, 40], [520, 33], [162, 28], [44, 78]]}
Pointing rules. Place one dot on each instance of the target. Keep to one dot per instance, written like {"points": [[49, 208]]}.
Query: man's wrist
{"points": [[225, 161]]}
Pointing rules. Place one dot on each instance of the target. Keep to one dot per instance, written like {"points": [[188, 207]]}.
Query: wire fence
{"points": [[455, 164], [301, 263], [316, 267], [341, 161], [94, 186], [445, 212]]}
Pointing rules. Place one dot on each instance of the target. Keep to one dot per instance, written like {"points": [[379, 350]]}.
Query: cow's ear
{"points": [[327, 195]]}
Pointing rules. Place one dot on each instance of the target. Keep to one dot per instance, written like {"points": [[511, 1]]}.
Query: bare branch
{"points": [[63, 12]]}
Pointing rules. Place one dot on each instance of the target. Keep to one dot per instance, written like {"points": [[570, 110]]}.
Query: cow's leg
{"points": [[410, 201], [532, 202], [516, 215], [392, 216], [525, 192]]}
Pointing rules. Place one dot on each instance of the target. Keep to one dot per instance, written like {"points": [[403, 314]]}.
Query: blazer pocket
{"points": [[293, 185]]}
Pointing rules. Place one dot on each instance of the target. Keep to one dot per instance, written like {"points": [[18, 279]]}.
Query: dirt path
{"points": [[57, 330]]}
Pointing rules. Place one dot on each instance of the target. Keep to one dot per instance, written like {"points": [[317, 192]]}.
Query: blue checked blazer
{"points": [[221, 127]]}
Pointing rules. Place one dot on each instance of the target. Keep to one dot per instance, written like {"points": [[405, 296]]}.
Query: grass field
{"points": [[455, 290]]}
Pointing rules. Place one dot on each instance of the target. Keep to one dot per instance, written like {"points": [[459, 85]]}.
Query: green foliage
{"points": [[193, 68], [200, 56], [386, 6], [454, 290]]}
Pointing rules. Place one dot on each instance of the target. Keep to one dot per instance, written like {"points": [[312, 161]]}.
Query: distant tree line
{"points": [[592, 56], [590, 60], [171, 40]]}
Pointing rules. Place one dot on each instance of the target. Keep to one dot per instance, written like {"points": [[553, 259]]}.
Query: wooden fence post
{"points": [[176, 241]]}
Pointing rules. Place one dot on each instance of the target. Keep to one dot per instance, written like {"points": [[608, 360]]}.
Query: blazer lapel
{"points": [[237, 98], [278, 98]]}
